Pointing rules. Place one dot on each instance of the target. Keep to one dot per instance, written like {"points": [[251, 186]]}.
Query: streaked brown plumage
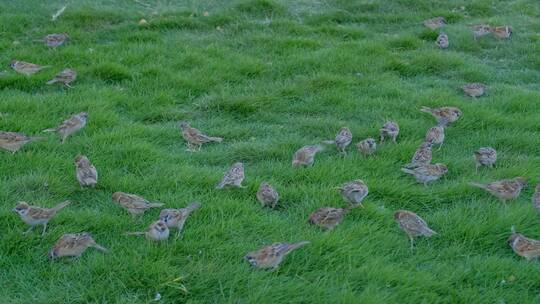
{"points": [[12, 141], [422, 156], [485, 156], [434, 23], [389, 130], [66, 76], [367, 146], [425, 174], [157, 231], [536, 198], [444, 115], [70, 126], [435, 135], [74, 245], [134, 204], [26, 68], [234, 177], [305, 156], [55, 40], [474, 89], [524, 246], [480, 30], [413, 225], [195, 138], [35, 216], [86, 172], [267, 195], [327, 217], [502, 32], [506, 189], [354, 192], [442, 41], [271, 256], [176, 218]]}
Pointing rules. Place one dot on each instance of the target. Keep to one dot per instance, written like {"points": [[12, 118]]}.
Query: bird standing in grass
{"points": [[70, 126], [442, 41], [158, 231], [474, 89], [342, 140], [134, 204], [176, 218], [26, 68], [86, 172], [74, 245], [485, 156], [195, 138], [12, 141], [36, 216], [234, 177], [422, 156], [305, 156], [425, 174], [271, 256], [67, 76], [389, 130], [434, 23], [327, 217], [524, 246], [367, 146], [506, 189], [435, 135], [413, 225], [267, 195], [354, 192], [444, 115], [55, 40]]}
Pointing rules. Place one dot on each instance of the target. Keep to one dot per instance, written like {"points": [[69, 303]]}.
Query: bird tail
{"points": [[410, 166], [99, 247], [50, 130], [428, 232], [426, 109], [155, 205], [320, 148], [478, 185], [297, 245], [61, 205], [37, 138], [52, 81], [328, 142], [220, 185], [216, 139], [134, 233], [193, 206], [408, 171]]}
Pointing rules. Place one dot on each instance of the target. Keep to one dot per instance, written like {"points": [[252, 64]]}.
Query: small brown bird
{"points": [[354, 192], [342, 140], [234, 177], [422, 156], [12, 141], [35, 216], [271, 256], [66, 77], [305, 156], [501, 32], [474, 89], [506, 189], [389, 130], [195, 138], [74, 245], [70, 126], [425, 174], [442, 41], [536, 198], [435, 135], [267, 195], [413, 225], [524, 246], [158, 231], [434, 23], [134, 204], [485, 156], [176, 218], [26, 68], [86, 172], [444, 115], [327, 217], [367, 146], [55, 40], [480, 30]]}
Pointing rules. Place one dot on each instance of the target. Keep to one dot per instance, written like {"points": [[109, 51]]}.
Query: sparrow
{"points": [[434, 23], [271, 256], [327, 217], [524, 246], [233, 177], [354, 192], [536, 198], [444, 115], [55, 40], [267, 195], [442, 41], [133, 204], [35, 216], [480, 30], [474, 89], [435, 135], [501, 32], [86, 172], [506, 189], [485, 156], [158, 231], [367, 146], [66, 77], [342, 140], [73, 245], [70, 126], [195, 138], [413, 225], [12, 141], [422, 156], [176, 218], [26, 68], [425, 174], [305, 156], [389, 130]]}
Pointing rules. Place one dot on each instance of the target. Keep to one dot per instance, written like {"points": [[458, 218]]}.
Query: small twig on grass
{"points": [[58, 13]]}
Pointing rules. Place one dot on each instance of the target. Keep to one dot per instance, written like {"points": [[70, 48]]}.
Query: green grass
{"points": [[277, 76]]}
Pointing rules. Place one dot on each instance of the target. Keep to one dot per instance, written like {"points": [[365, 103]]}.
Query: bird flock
{"points": [[326, 218]]}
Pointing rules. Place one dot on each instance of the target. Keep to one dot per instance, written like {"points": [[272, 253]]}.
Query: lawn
{"points": [[269, 76]]}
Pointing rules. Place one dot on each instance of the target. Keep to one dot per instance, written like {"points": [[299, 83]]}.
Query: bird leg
{"points": [[28, 231], [412, 242], [44, 228]]}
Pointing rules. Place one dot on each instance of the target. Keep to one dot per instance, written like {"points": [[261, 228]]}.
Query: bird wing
{"points": [[40, 213]]}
